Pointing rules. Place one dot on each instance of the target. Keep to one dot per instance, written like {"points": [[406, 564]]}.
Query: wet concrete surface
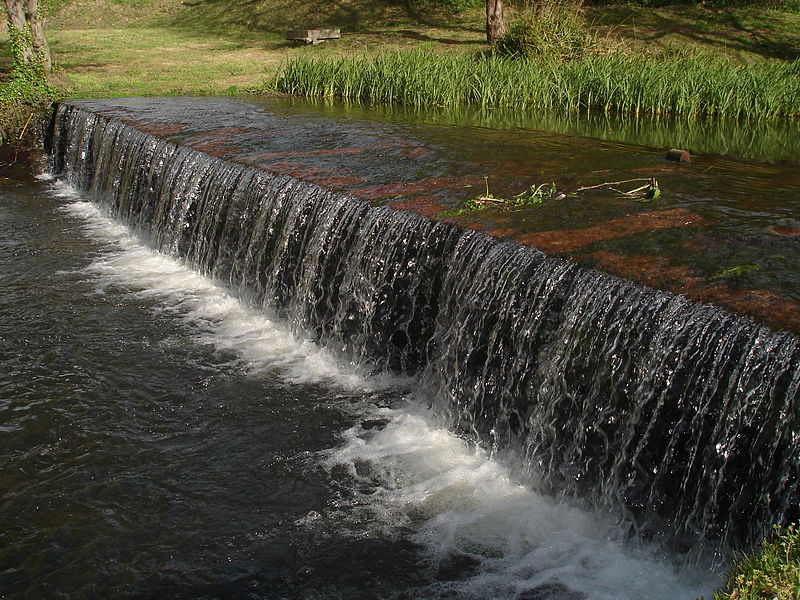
{"points": [[724, 230]]}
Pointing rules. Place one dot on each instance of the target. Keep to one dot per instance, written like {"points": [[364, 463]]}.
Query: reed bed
{"points": [[687, 86]]}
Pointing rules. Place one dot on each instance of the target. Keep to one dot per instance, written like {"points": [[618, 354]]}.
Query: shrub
{"points": [[549, 31], [26, 85]]}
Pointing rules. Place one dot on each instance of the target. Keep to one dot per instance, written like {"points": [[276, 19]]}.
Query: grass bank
{"points": [[772, 573], [197, 47], [115, 48], [666, 84]]}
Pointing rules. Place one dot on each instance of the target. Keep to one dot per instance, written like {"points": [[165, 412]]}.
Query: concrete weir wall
{"points": [[678, 415]]}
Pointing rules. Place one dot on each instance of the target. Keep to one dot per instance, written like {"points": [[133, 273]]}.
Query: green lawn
{"points": [[157, 61]]}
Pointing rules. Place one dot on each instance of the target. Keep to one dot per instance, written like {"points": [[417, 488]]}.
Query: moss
{"points": [[736, 271]]}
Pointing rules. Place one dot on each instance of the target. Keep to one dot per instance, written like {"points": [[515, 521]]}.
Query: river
{"points": [[161, 440]]}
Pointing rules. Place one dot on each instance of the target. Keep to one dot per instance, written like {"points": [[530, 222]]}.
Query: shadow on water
{"points": [[772, 142]]}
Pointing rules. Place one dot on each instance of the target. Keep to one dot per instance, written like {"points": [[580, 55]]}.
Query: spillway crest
{"points": [[679, 417]]}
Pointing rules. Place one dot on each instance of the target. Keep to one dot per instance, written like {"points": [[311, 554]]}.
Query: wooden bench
{"points": [[313, 36]]}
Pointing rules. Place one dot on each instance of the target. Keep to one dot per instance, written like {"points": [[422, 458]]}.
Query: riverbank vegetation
{"points": [[25, 92], [659, 84], [772, 573]]}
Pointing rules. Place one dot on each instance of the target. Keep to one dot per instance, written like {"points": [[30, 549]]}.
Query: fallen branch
{"points": [[537, 194], [609, 185], [25, 127]]}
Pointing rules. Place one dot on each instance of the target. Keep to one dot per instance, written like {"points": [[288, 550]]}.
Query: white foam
{"points": [[213, 314], [421, 478], [467, 505]]}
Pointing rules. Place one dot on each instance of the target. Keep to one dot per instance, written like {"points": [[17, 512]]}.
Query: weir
{"points": [[677, 416]]}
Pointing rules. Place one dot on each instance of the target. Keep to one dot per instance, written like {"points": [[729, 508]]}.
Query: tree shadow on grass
{"points": [[424, 37], [250, 18], [760, 33]]}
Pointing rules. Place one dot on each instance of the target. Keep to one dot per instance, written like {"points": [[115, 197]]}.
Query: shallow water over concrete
{"points": [[725, 230]]}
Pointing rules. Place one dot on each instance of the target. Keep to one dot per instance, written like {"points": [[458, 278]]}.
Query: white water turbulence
{"points": [[464, 507], [217, 318], [412, 478], [678, 419]]}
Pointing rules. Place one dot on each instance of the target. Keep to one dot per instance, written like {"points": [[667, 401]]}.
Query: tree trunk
{"points": [[495, 22], [16, 21], [40, 48], [22, 13]]}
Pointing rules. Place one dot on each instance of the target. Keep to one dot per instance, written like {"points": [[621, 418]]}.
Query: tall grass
{"points": [[687, 86], [549, 28]]}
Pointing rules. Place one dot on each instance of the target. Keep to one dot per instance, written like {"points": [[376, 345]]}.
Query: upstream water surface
{"points": [[161, 440], [725, 229]]}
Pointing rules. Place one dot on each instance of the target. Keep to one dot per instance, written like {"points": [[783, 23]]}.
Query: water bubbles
{"points": [[312, 517]]}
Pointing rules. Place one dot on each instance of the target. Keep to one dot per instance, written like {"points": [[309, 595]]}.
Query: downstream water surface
{"points": [[160, 440]]}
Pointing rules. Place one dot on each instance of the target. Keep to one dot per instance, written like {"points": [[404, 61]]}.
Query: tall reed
{"points": [[673, 84]]}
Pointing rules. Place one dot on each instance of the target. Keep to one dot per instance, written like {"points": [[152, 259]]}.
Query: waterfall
{"points": [[677, 413], [679, 417]]}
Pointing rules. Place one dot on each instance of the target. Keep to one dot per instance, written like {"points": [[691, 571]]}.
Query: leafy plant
{"points": [[27, 83], [772, 573], [536, 194]]}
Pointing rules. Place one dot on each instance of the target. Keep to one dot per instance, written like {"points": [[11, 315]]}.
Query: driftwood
{"points": [[649, 190], [25, 127], [537, 194]]}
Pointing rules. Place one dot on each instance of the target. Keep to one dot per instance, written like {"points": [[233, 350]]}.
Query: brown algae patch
{"points": [[412, 188], [427, 206], [657, 272], [155, 127], [557, 241]]}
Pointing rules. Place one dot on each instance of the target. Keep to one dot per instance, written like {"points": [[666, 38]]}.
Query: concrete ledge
{"points": [[313, 36]]}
